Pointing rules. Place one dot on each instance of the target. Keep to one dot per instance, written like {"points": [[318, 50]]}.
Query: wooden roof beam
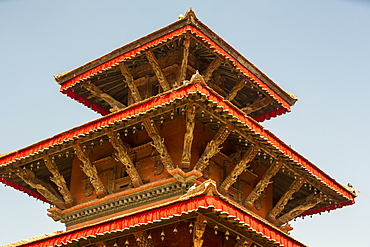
{"points": [[310, 202], [262, 185], [257, 105], [158, 144], [212, 67], [90, 170], [283, 201], [122, 155], [188, 138], [158, 71], [115, 104], [130, 82], [239, 168], [185, 59], [212, 148], [59, 180], [234, 91]]}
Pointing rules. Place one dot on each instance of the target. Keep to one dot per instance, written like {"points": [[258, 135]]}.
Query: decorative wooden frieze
{"points": [[239, 168], [122, 155], [262, 185], [283, 201], [257, 105], [142, 239], [188, 139], [157, 70], [234, 91], [310, 202], [90, 170], [212, 148], [116, 105], [130, 82], [45, 189], [59, 180], [185, 58], [211, 68], [199, 229], [158, 144]]}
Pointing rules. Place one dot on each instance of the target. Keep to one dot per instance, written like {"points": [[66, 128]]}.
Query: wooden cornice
{"points": [[158, 144], [211, 68], [122, 155], [262, 185], [43, 188], [234, 91], [239, 168], [185, 59], [257, 105], [310, 202], [59, 180], [90, 170], [188, 139], [283, 201], [158, 71], [212, 148], [115, 104], [130, 82]]}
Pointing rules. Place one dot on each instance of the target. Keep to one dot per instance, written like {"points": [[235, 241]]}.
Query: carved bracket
{"points": [[185, 58], [157, 70], [211, 68], [188, 139], [199, 228], [234, 91], [130, 82]]}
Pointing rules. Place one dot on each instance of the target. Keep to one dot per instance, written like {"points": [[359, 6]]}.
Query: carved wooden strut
{"points": [[158, 71], [199, 228], [130, 82], [239, 168], [59, 180], [90, 170], [257, 105], [122, 155], [212, 148], [185, 58], [234, 91], [262, 185], [211, 68], [188, 138]]}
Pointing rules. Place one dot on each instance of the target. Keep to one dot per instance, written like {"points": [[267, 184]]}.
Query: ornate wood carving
{"points": [[262, 185], [100, 244], [59, 180], [122, 155], [185, 58], [90, 170], [142, 239], [239, 168], [158, 144], [199, 228], [311, 201], [256, 105], [211, 68], [279, 207], [188, 139], [130, 82], [234, 91], [115, 104], [46, 190], [157, 70], [212, 148], [243, 242]]}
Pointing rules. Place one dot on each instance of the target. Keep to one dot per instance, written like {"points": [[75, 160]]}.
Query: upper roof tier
{"points": [[166, 58]]}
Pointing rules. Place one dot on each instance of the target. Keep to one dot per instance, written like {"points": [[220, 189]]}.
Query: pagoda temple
{"points": [[178, 157]]}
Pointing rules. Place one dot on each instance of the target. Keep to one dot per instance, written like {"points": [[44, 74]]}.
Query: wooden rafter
{"points": [[188, 139], [199, 229], [122, 155], [158, 71], [130, 82], [211, 68], [59, 180], [158, 144], [115, 104], [212, 148], [239, 168], [283, 201], [43, 188], [310, 202], [185, 59], [257, 105], [234, 91], [262, 185], [90, 170]]}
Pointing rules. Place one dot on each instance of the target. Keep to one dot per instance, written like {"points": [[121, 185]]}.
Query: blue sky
{"points": [[318, 50]]}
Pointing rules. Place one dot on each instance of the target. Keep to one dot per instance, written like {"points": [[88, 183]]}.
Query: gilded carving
{"points": [[199, 228]]}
